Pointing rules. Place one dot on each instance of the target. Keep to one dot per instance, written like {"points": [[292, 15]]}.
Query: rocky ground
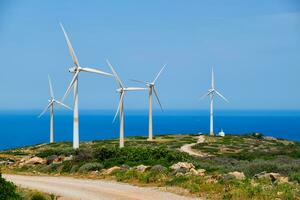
{"points": [[230, 167]]}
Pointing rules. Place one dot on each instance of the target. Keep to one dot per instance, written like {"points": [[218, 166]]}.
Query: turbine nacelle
{"points": [[212, 91], [120, 90], [73, 69], [150, 85]]}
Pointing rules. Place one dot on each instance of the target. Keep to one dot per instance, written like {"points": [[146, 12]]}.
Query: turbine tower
{"points": [[74, 84], [121, 90], [151, 87], [211, 93], [50, 106]]}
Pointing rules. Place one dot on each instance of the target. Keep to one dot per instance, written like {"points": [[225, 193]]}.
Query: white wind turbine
{"points": [[74, 83], [50, 106], [121, 90], [151, 87], [211, 93]]}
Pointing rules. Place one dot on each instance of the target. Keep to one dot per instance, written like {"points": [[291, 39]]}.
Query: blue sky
{"points": [[254, 47]]}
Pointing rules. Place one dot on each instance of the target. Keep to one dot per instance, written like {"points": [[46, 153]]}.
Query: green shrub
{"points": [[84, 155], [294, 176], [38, 196], [158, 169], [57, 151], [90, 167], [74, 168], [152, 177], [257, 166], [50, 159], [8, 190], [134, 156]]}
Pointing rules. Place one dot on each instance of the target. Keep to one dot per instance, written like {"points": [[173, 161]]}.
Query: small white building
{"points": [[221, 133]]}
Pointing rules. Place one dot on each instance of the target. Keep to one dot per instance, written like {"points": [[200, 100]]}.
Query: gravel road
{"points": [[74, 189]]}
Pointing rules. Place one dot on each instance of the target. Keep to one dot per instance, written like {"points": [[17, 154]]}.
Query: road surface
{"points": [[188, 148], [74, 189]]}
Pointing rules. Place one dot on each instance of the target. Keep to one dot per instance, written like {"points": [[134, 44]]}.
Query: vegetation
{"points": [[253, 154], [8, 190], [250, 154]]}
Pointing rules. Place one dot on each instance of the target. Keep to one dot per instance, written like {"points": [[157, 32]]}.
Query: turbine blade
{"points": [[206, 94], [91, 70], [72, 52], [156, 95], [119, 82], [45, 109], [119, 105], [50, 86], [159, 73], [135, 89], [70, 86], [220, 95], [138, 81], [62, 104]]}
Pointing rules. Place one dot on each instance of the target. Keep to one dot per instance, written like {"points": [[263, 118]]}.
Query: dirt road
{"points": [[188, 148], [85, 189]]}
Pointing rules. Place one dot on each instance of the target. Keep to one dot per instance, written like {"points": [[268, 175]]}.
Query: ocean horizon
{"points": [[22, 128]]}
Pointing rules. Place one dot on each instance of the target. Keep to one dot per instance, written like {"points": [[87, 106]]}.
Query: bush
{"points": [[158, 169], [257, 166], [295, 176], [257, 135], [134, 156], [50, 159], [8, 190], [90, 167], [38, 196], [74, 169], [56, 151], [83, 155]]}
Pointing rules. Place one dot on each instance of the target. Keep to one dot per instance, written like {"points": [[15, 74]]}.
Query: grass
{"points": [[250, 154]]}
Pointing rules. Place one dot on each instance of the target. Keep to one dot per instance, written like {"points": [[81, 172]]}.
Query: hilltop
{"points": [[231, 167]]}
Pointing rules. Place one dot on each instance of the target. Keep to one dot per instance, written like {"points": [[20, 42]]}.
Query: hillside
{"points": [[232, 167]]}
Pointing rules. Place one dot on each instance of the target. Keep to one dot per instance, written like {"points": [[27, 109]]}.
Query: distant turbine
{"points": [[211, 93], [151, 86], [74, 83], [120, 109], [50, 106]]}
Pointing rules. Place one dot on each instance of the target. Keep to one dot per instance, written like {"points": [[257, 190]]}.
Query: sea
{"points": [[21, 128]]}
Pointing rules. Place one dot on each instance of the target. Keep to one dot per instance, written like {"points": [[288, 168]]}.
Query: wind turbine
{"points": [[74, 84], [211, 93], [50, 107], [121, 90], [151, 87]]}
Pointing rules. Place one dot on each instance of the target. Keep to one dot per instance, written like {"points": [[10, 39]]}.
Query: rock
{"points": [[94, 173], [58, 160], [142, 168], [181, 170], [6, 162], [179, 174], [199, 172], [237, 175], [158, 168], [283, 179], [24, 159], [184, 165], [68, 158], [271, 176], [125, 167], [35, 160], [110, 170]]}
